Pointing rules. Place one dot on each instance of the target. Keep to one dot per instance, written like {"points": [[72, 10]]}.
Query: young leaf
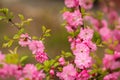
{"points": [[23, 58], [97, 38], [21, 17], [39, 66], [43, 29], [2, 17], [6, 38], [11, 58]]}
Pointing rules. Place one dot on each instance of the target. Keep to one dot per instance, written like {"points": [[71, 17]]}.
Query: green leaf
{"points": [[6, 38], [8, 44], [4, 10], [67, 54], [39, 66], [97, 38], [46, 34], [109, 51], [43, 29], [1, 65], [10, 16], [23, 58], [48, 30], [11, 58], [46, 66], [99, 15], [29, 20], [82, 10], [17, 35], [2, 17], [34, 37], [14, 51], [21, 17], [56, 64]]}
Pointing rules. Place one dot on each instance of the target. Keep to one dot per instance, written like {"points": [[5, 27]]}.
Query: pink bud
{"points": [[52, 72], [61, 61]]}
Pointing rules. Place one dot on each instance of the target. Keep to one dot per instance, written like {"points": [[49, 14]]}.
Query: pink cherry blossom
{"points": [[3, 72], [14, 71], [36, 46], [81, 48], [116, 34], [117, 56], [52, 72], [41, 57], [112, 16], [87, 4], [92, 46], [117, 48], [2, 56], [107, 61], [24, 40], [83, 75], [74, 19], [105, 33], [71, 3], [70, 28], [38, 75], [83, 61], [110, 62], [31, 72], [112, 76], [10, 70], [61, 61], [68, 73], [86, 34]]}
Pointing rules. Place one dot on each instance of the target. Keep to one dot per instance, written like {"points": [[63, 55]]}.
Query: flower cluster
{"points": [[29, 71], [87, 4], [37, 47], [81, 44], [87, 30]]}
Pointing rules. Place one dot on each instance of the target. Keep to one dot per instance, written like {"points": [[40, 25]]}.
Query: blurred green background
{"points": [[43, 12]]}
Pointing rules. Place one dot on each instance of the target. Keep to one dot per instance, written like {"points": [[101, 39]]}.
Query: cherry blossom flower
{"points": [[24, 40], [2, 56], [112, 16], [117, 56], [36, 46], [74, 19], [81, 48], [38, 75], [106, 33], [83, 75], [30, 72], [83, 61], [52, 72], [116, 34], [87, 4], [86, 34], [68, 73], [71, 3], [112, 76], [107, 61], [111, 62], [92, 46], [41, 57], [10, 70], [61, 61]]}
